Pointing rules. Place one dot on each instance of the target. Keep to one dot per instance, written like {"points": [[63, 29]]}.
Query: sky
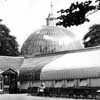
{"points": [[23, 17]]}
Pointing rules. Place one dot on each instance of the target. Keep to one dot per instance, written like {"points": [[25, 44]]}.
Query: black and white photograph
{"points": [[49, 49]]}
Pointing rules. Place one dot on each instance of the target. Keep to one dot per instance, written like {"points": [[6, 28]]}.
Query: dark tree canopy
{"points": [[92, 38], [8, 43], [76, 14]]}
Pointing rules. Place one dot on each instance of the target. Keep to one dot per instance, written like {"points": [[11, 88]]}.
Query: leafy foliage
{"points": [[92, 38], [76, 14], [8, 44], [98, 6]]}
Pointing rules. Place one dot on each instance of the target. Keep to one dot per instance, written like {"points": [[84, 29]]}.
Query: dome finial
{"points": [[50, 20], [51, 8]]}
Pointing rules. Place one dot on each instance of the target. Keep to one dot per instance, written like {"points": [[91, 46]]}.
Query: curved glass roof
{"points": [[49, 39]]}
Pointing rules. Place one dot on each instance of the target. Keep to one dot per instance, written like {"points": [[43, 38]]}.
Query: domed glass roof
{"points": [[49, 39]]}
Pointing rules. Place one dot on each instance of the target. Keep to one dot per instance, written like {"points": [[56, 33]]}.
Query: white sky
{"points": [[23, 17]]}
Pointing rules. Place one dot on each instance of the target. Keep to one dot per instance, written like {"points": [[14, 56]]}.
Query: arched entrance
{"points": [[10, 77]]}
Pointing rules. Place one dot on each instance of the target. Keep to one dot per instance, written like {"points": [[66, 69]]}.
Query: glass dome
{"points": [[49, 39]]}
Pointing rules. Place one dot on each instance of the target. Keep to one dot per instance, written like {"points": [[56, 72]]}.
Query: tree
{"points": [[8, 43], [92, 38], [76, 14]]}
